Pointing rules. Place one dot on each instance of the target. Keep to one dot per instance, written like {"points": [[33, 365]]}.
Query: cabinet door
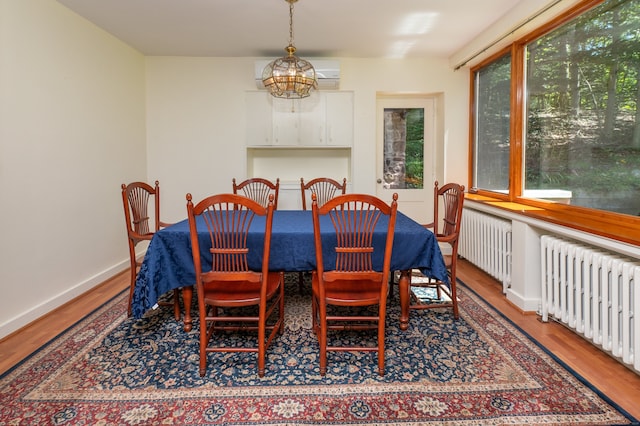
{"points": [[259, 119], [324, 118], [312, 120], [339, 118], [286, 122]]}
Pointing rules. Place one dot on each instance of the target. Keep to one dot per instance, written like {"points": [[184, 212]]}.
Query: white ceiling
{"points": [[322, 28]]}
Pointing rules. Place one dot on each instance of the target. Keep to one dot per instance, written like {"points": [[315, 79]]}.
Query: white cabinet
{"points": [[259, 122], [311, 121], [324, 118], [339, 118], [298, 122], [285, 124]]}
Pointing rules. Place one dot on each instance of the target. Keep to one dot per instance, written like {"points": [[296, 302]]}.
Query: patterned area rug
{"points": [[479, 370]]}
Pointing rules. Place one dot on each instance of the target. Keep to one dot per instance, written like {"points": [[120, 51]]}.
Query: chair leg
{"points": [[314, 315], [261, 345], [322, 338], [382, 313], [381, 363], [281, 305], [391, 284], [454, 297], [314, 307], [203, 345], [300, 282], [176, 304], [132, 287]]}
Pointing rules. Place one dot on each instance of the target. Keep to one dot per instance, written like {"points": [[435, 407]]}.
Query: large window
{"points": [[578, 138], [492, 126]]}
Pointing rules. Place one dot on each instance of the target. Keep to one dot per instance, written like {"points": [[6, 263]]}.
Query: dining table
{"points": [[168, 261]]}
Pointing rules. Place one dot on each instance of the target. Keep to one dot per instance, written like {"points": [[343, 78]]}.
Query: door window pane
{"points": [[403, 148]]}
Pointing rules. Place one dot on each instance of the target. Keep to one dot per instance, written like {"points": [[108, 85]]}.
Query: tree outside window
{"points": [[582, 129], [580, 117], [404, 148], [492, 130]]}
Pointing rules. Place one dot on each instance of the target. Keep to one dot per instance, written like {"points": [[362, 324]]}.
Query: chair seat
{"points": [[241, 293], [352, 292]]}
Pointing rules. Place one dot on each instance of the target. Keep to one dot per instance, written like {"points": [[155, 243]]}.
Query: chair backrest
{"points": [[136, 198], [354, 218], [448, 200], [324, 188], [226, 218], [258, 189]]}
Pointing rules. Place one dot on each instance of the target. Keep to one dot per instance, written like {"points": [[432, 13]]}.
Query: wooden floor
{"points": [[621, 384]]}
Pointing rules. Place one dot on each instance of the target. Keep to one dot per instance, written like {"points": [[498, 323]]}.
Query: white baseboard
{"points": [[526, 304], [44, 308]]}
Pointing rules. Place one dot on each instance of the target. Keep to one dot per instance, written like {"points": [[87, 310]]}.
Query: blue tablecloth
{"points": [[168, 263]]}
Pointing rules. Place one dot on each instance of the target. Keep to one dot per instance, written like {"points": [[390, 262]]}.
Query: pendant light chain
{"points": [[290, 23], [290, 76]]}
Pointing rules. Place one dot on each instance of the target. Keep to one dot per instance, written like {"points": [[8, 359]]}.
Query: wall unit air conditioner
{"points": [[327, 73]]}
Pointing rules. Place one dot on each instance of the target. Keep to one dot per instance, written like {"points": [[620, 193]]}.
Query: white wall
{"points": [[196, 119], [77, 106], [508, 28], [81, 113], [72, 129], [195, 126]]}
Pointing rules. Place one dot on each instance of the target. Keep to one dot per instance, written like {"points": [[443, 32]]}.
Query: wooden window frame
{"points": [[620, 227]]}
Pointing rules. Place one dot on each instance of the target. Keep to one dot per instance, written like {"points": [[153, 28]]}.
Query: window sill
{"points": [[625, 229]]}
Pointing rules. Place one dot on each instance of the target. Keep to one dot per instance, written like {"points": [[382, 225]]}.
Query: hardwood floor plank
{"points": [[613, 378], [19, 345], [618, 382]]}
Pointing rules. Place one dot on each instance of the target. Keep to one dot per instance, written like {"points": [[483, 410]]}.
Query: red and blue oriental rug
{"points": [[479, 370]]}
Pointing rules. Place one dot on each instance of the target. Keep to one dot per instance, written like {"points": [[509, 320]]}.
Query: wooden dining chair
{"points": [[325, 189], [352, 281], [447, 218], [230, 284], [141, 203], [259, 190]]}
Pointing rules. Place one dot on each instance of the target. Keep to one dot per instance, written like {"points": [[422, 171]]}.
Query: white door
{"points": [[405, 152]]}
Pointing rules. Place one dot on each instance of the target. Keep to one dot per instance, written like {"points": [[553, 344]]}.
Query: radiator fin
{"points": [[485, 241], [594, 292]]}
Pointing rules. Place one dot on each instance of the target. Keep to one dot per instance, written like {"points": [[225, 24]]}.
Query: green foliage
{"points": [[415, 149], [582, 96]]}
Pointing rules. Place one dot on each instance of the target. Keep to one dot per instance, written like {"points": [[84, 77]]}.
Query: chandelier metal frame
{"points": [[290, 77]]}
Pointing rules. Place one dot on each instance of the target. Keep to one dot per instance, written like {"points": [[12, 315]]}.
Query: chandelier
{"points": [[289, 76]]}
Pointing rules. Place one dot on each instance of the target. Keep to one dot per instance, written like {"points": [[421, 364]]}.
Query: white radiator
{"points": [[594, 292], [485, 241]]}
